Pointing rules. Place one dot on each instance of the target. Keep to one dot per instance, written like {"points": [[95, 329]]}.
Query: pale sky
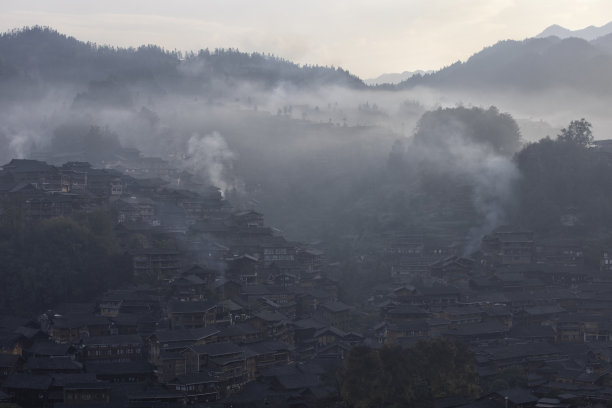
{"points": [[367, 38]]}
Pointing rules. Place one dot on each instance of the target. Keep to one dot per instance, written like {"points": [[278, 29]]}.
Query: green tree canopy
{"points": [[563, 173], [578, 132], [397, 377], [59, 259]]}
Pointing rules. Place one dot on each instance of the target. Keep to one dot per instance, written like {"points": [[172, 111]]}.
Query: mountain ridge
{"points": [[45, 53], [394, 77], [530, 65], [589, 33]]}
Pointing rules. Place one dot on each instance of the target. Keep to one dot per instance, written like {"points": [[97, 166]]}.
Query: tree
{"points": [[59, 259], [398, 377], [498, 131], [578, 132], [363, 378], [560, 174], [448, 367]]}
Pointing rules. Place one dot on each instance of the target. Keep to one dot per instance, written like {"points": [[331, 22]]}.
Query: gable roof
{"points": [[118, 368], [336, 307], [196, 378], [265, 347], [216, 349], [271, 316], [185, 334], [52, 364], [190, 307], [27, 382], [114, 340], [329, 330], [27, 166]]}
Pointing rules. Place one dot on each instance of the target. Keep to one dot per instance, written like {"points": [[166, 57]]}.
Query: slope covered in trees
{"points": [[528, 66], [45, 56], [398, 377], [58, 259], [565, 175]]}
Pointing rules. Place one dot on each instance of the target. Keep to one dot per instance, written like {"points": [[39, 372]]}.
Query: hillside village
{"points": [[222, 310]]}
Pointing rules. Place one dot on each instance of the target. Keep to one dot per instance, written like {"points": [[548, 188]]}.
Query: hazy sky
{"points": [[366, 37]]}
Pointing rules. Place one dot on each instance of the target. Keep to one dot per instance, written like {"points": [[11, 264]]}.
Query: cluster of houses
{"points": [[220, 302], [224, 311], [535, 311]]}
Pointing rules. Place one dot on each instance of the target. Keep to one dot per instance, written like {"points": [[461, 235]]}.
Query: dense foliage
{"points": [[110, 70], [451, 175], [531, 65], [564, 175], [58, 260], [489, 128], [397, 377]]}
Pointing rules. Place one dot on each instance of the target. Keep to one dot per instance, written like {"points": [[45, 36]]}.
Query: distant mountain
{"points": [[532, 65], [43, 56], [604, 43], [589, 33], [394, 78]]}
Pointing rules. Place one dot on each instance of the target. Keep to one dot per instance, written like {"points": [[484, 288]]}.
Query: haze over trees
{"points": [[403, 186], [304, 140], [564, 174], [58, 259], [531, 65], [397, 377]]}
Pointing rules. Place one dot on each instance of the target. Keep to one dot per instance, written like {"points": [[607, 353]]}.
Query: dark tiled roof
{"points": [[190, 307], [310, 323], [78, 320], [330, 330], [271, 316], [437, 290], [185, 334], [240, 329], [27, 382], [27, 332], [129, 367], [216, 349], [407, 310], [265, 347], [479, 329], [114, 340], [49, 349], [52, 364], [532, 331], [11, 323], [336, 307], [61, 380], [8, 360], [26, 166], [197, 378]]}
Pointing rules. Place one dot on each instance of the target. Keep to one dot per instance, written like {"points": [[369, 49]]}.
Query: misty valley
{"points": [[229, 229]]}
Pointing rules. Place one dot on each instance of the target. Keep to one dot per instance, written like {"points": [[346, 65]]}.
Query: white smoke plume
{"points": [[454, 150], [494, 181], [210, 158]]}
